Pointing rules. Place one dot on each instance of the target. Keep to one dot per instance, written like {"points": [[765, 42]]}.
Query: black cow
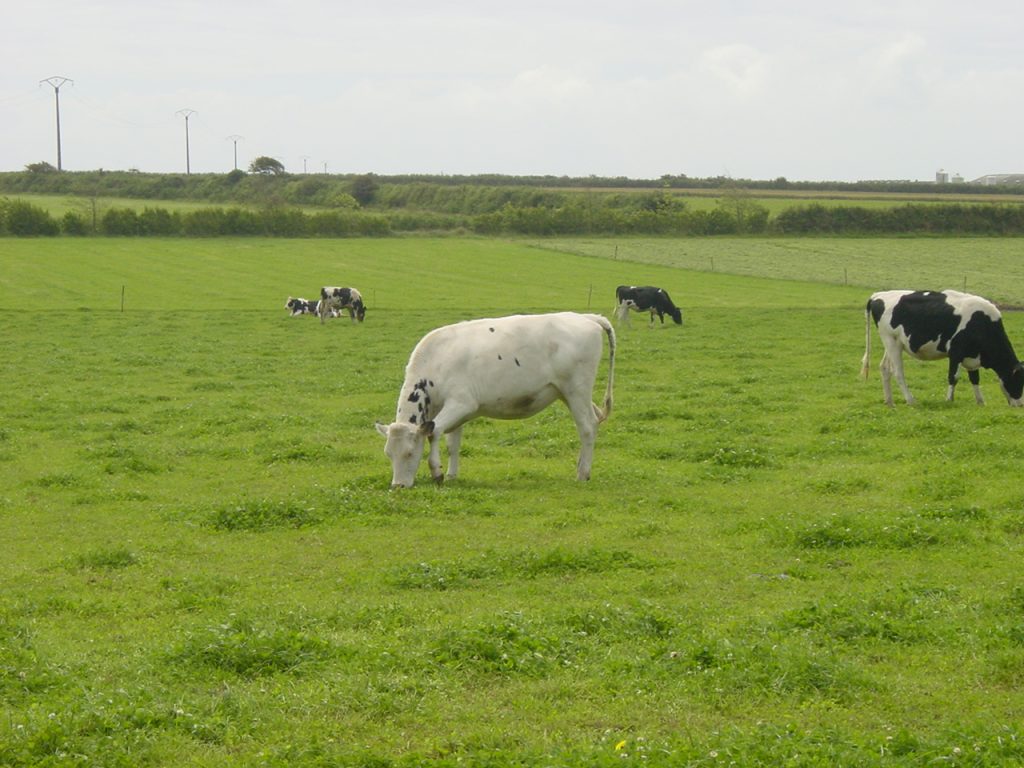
{"points": [[337, 299], [300, 306], [930, 325], [645, 298]]}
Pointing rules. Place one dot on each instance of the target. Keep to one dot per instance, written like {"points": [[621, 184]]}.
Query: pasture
{"points": [[203, 563]]}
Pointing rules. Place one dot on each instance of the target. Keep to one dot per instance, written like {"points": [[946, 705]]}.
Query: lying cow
{"points": [[337, 299], [930, 325], [300, 306], [502, 368], [645, 298]]}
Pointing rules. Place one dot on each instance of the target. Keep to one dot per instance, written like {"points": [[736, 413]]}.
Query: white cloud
{"points": [[738, 67], [795, 88]]}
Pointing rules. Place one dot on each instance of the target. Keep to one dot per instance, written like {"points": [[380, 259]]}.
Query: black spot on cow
{"points": [[517, 360], [491, 330], [499, 357], [925, 316], [412, 418], [414, 396]]}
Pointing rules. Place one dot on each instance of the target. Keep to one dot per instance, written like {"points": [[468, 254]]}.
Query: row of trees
{"points": [[268, 184], [661, 215], [237, 187]]}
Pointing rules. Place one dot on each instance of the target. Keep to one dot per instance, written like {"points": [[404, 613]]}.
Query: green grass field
{"points": [[987, 266], [203, 564]]}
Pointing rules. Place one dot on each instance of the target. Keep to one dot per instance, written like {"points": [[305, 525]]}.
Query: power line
{"points": [[56, 82]]}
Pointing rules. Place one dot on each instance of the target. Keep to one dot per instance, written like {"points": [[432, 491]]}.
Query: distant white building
{"points": [[1000, 179], [941, 177]]}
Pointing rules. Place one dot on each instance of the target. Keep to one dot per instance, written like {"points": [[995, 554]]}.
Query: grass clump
{"points": [[526, 564], [112, 559], [513, 645], [249, 649]]}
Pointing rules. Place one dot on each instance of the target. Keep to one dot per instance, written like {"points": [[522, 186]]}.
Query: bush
{"points": [[26, 220], [159, 221], [120, 222], [74, 223]]}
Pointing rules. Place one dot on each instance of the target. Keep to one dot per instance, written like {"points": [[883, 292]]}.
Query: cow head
{"points": [[360, 311], [1013, 385], [404, 447], [677, 316]]}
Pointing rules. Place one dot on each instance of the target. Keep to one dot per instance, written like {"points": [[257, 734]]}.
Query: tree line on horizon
{"points": [[267, 175], [281, 205]]}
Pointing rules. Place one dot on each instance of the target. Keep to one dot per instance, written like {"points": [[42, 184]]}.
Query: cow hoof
{"points": [[439, 480]]}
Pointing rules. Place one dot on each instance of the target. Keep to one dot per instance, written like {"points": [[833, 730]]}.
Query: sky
{"points": [[804, 89]]}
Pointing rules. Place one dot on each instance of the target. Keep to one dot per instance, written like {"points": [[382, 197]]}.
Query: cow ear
{"points": [[427, 428], [382, 428]]}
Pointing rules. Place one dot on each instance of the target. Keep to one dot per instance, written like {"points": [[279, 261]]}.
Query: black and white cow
{"points": [[645, 298], [930, 325], [300, 306], [337, 299], [502, 368]]}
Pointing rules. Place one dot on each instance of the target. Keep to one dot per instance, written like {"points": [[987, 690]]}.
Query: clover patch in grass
{"points": [[21, 668], [748, 457], [265, 515]]}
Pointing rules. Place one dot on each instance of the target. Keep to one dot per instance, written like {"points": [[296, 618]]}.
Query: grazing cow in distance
{"points": [[300, 306], [645, 298], [930, 325], [337, 299], [502, 368]]}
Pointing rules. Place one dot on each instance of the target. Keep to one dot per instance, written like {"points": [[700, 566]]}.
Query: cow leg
{"points": [[901, 379], [454, 439], [434, 457], [623, 314], [886, 368], [975, 379], [449, 421], [954, 369], [582, 410], [651, 325], [892, 363]]}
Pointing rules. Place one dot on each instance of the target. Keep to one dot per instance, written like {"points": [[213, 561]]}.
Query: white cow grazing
{"points": [[503, 368]]}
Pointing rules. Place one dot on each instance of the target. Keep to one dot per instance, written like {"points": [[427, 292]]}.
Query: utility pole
{"points": [[56, 83], [186, 113], [234, 138], [304, 159]]}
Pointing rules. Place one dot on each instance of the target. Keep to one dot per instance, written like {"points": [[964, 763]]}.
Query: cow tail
{"points": [[866, 360], [604, 413]]}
